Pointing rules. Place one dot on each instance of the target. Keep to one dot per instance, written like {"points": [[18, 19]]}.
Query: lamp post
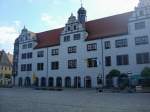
{"points": [[129, 78], [99, 83]]}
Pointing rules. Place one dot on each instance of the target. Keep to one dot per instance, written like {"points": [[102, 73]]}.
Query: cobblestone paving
{"points": [[28, 100]]}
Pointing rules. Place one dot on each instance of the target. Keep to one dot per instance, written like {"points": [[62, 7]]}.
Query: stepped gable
{"points": [[100, 28]]}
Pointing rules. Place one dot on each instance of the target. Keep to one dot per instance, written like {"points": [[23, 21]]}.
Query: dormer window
{"points": [[141, 13], [75, 27], [30, 45], [77, 36], [29, 35], [69, 28], [140, 25], [66, 38], [24, 46]]}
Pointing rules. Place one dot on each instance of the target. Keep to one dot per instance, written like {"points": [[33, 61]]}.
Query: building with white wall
{"points": [[81, 51]]}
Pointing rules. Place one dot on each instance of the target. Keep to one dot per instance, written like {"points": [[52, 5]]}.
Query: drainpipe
{"points": [[102, 61], [47, 67]]}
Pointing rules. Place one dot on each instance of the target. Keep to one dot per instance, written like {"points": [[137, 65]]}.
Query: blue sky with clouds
{"points": [[42, 15]]}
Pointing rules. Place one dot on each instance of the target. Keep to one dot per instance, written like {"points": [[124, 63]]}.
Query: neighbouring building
{"points": [[15, 60], [5, 68], [80, 52]]}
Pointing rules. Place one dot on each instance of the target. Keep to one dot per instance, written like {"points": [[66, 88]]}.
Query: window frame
{"points": [[92, 63], [40, 54], [107, 45], [54, 65], [108, 61], [142, 59], [72, 64], [121, 43], [54, 52], [92, 47], [122, 59], [77, 36], [141, 40], [72, 49]]}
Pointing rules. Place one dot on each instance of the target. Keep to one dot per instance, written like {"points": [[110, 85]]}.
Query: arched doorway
{"points": [[51, 82], [58, 82], [68, 82], [43, 82], [109, 82], [87, 82], [20, 82], [27, 82], [77, 82], [36, 83]]}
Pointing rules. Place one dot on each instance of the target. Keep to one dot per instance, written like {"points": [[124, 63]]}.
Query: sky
{"points": [[43, 15]]}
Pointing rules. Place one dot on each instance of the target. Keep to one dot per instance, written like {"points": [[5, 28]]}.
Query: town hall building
{"points": [[80, 52]]}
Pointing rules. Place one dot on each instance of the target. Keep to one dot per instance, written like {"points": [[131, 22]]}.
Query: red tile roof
{"points": [[48, 38], [100, 28]]}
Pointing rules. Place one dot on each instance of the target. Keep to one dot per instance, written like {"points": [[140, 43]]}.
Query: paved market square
{"points": [[71, 100]]}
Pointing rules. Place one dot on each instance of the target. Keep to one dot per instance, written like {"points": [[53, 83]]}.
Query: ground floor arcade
{"points": [[67, 82]]}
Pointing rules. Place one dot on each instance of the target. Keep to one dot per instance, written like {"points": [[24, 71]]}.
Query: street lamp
{"points": [[99, 83], [129, 78]]}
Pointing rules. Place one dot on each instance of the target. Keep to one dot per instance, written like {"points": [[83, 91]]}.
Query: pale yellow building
{"points": [[5, 68]]}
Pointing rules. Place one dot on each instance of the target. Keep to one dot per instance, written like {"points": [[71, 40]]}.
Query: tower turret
{"points": [[82, 15]]}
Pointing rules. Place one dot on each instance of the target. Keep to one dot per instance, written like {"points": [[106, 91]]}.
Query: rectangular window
{"points": [[40, 54], [29, 55], [77, 36], [54, 52], [29, 67], [24, 56], [143, 58], [122, 60], [55, 65], [30, 45], [40, 66], [92, 62], [141, 40], [121, 43], [24, 46], [72, 49], [140, 25], [72, 64], [108, 61], [92, 47], [23, 67], [66, 38], [107, 45]]}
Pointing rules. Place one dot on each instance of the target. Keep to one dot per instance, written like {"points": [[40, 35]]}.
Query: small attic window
{"points": [[141, 13], [29, 35], [68, 28], [75, 27]]}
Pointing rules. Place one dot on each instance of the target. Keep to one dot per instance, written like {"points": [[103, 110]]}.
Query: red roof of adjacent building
{"points": [[100, 28]]}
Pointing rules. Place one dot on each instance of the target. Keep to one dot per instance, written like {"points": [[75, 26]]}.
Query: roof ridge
{"points": [[109, 16], [86, 22], [50, 30]]}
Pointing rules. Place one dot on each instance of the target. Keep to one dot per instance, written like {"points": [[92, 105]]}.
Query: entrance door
{"points": [[36, 82], [58, 82], [43, 82], [20, 82], [77, 82], [51, 82], [27, 82], [87, 82], [68, 82]]}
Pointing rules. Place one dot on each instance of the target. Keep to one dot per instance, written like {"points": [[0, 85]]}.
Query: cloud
{"points": [[30, 1], [46, 18], [51, 22], [8, 34], [103, 8], [17, 23]]}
